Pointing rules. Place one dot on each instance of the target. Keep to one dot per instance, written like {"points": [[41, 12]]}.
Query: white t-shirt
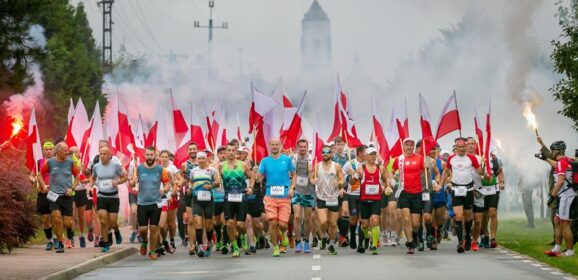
{"points": [[463, 168]]}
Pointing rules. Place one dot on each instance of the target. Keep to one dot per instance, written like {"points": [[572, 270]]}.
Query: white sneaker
{"points": [[568, 253]]}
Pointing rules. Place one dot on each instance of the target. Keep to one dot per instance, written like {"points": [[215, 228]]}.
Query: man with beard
{"points": [[185, 212], [42, 203], [303, 200]]}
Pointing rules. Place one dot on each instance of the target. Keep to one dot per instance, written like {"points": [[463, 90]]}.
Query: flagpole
{"points": [[457, 109], [425, 164], [255, 144]]}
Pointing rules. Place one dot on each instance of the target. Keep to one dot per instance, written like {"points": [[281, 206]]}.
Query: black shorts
{"points": [[466, 201], [367, 208], [353, 201], [88, 204], [492, 201], [63, 204], [411, 201], [203, 208], [340, 200], [427, 205], [110, 204], [254, 208], [147, 215], [188, 200], [236, 211], [80, 198], [218, 208], [132, 198], [42, 204], [322, 204]]}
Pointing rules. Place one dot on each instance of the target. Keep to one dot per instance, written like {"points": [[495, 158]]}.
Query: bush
{"points": [[17, 201]]}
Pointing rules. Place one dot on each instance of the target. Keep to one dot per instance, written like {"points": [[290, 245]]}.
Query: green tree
{"points": [[565, 57]]}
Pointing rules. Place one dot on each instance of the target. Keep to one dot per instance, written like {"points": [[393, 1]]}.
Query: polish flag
{"points": [[138, 143], [179, 123], [195, 135], [124, 136], [294, 131], [85, 145], [151, 137], [259, 149], [428, 140], [450, 118], [261, 104], [317, 143], [222, 136], [336, 130], [33, 145], [239, 135], [217, 123], [392, 135], [479, 133], [96, 134], [402, 122], [209, 120], [273, 121], [349, 131], [287, 102], [70, 111], [378, 133], [78, 125], [488, 139]]}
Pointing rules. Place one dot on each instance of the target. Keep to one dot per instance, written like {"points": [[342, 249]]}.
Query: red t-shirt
{"points": [[410, 174]]}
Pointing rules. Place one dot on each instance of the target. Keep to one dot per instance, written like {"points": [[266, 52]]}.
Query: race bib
{"points": [[105, 185], [425, 196], [52, 196], [277, 190], [460, 191], [302, 181], [204, 195], [489, 190], [334, 202], [371, 189], [235, 197], [398, 193]]}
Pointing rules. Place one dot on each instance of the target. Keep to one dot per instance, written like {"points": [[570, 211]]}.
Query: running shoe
{"points": [[331, 250], [105, 248], [200, 251], [284, 240], [567, 254], [96, 242], [343, 241], [360, 248], [475, 247], [82, 242], [352, 244], [434, 246], [153, 255], [68, 244], [168, 247], [429, 241], [552, 253], [224, 249], [252, 250], [276, 251], [117, 237], [298, 247], [110, 238], [236, 253], [218, 246], [143, 248], [493, 243], [324, 242], [486, 242], [59, 247], [49, 245], [172, 243], [306, 247], [283, 249], [420, 246], [468, 244], [261, 243], [410, 251], [90, 235], [461, 247], [244, 243], [315, 242], [132, 237], [207, 250], [192, 251], [373, 250]]}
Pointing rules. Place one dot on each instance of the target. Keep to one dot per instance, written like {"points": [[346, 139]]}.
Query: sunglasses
{"points": [[325, 152]]}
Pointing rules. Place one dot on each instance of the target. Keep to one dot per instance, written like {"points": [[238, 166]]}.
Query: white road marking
{"points": [[316, 278], [536, 265], [527, 261], [546, 268], [316, 267], [518, 257], [556, 272], [569, 278], [316, 256]]}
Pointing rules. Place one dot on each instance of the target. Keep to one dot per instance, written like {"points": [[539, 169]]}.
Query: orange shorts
{"points": [[278, 209]]}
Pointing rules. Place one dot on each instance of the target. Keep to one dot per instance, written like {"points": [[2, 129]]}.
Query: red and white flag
{"points": [[428, 140], [195, 135], [261, 104], [378, 132], [317, 143], [259, 149], [450, 118], [336, 130], [294, 131], [151, 137], [478, 125], [239, 134], [222, 136], [402, 122], [179, 124], [211, 139], [96, 134], [34, 146], [349, 131], [488, 139], [392, 135], [70, 111], [78, 125]]}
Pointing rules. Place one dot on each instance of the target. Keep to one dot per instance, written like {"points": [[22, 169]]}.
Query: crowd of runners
{"points": [[224, 203]]}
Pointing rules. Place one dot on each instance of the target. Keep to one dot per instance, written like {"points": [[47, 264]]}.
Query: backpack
{"points": [[573, 183]]}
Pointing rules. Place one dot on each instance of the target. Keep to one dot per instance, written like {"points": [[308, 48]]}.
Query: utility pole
{"points": [[211, 26], [106, 34]]}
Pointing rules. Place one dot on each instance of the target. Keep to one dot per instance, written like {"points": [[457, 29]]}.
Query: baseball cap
{"points": [[370, 150]]}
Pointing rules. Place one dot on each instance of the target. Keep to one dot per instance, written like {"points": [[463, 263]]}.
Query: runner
{"points": [[280, 186], [254, 205], [147, 180], [432, 175], [340, 156], [491, 191], [42, 203], [439, 198], [566, 196], [167, 222], [479, 208], [370, 173], [63, 180], [353, 192], [132, 201], [394, 219], [219, 208], [202, 181], [461, 166], [187, 215], [234, 174], [328, 179], [106, 176], [303, 200]]}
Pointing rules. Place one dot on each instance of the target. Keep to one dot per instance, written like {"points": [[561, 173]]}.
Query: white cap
{"points": [[370, 150], [408, 139], [243, 149], [201, 155]]}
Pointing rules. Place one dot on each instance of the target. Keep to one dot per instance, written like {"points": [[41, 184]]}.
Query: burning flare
{"points": [[16, 126], [530, 116]]}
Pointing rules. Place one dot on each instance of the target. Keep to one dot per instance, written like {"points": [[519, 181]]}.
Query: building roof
{"points": [[315, 13]]}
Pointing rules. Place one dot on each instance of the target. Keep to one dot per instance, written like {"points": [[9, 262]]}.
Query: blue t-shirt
{"points": [[277, 173]]}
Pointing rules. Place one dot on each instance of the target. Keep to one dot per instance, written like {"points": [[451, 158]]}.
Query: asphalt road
{"points": [[391, 263]]}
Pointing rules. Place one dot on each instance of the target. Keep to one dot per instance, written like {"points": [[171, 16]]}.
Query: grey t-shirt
{"points": [[302, 167], [61, 175], [104, 175]]}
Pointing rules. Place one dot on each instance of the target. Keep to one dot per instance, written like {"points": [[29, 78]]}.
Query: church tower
{"points": [[315, 39]]}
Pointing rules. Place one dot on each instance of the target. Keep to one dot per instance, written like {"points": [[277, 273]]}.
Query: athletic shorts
{"points": [[411, 201], [305, 200], [42, 204], [353, 202], [341, 199], [148, 215], [63, 204], [171, 206], [254, 208], [132, 198], [492, 201], [368, 208], [565, 205], [384, 200], [218, 208], [88, 204], [439, 198], [479, 204], [188, 200], [466, 201], [80, 198], [322, 204], [427, 205], [203, 208], [278, 209], [110, 204], [236, 211]]}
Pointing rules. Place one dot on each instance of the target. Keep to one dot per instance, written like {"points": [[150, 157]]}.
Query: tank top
{"points": [[304, 185], [149, 180], [370, 185], [325, 189], [234, 179]]}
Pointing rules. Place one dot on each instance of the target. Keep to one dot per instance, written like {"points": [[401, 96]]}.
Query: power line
{"points": [[167, 16], [142, 19], [132, 30]]}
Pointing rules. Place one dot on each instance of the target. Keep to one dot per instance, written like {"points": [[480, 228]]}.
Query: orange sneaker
{"points": [[153, 255], [552, 253], [475, 246], [282, 249], [143, 249], [68, 244]]}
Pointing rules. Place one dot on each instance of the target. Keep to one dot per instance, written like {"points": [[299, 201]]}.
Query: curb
{"points": [[96, 263]]}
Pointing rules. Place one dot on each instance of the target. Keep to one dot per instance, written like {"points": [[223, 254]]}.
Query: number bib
{"points": [[52, 196], [302, 181], [235, 197], [398, 192], [105, 185], [425, 196], [334, 202], [460, 191], [371, 189], [489, 190], [204, 195], [277, 190]]}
